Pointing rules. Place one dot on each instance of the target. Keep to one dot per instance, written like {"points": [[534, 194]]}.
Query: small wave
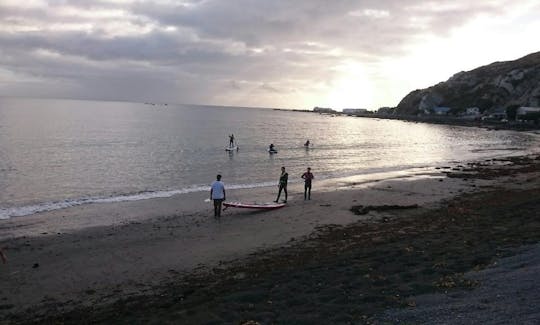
{"points": [[496, 149], [368, 173], [20, 211], [6, 213]]}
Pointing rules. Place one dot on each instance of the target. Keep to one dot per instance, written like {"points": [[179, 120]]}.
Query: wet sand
{"points": [[169, 261]]}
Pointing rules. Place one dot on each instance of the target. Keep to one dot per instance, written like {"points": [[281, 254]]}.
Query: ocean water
{"points": [[60, 153]]}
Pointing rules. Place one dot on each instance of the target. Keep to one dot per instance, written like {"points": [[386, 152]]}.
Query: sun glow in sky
{"points": [[351, 88], [301, 54]]}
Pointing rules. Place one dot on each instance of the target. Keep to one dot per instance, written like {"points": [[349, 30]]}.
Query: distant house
{"points": [[528, 113], [498, 113], [323, 110], [439, 110], [355, 111], [471, 113]]}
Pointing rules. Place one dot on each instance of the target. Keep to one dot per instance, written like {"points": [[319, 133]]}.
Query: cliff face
{"points": [[498, 85]]}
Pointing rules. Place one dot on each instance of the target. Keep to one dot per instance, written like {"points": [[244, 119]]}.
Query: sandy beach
{"points": [[357, 249]]}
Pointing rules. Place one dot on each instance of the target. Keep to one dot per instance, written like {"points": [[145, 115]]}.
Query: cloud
{"points": [[222, 51]]}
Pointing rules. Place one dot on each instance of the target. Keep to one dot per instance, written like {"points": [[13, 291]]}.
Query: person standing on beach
{"points": [[217, 193], [307, 176], [283, 179]]}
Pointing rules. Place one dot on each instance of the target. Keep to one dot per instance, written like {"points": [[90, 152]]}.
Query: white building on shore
{"points": [[527, 113], [323, 110], [355, 111], [471, 113]]}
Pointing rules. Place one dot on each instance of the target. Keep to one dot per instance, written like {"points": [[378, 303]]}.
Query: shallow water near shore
{"points": [[56, 154]]}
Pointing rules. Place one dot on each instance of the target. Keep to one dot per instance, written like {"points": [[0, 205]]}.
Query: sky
{"points": [[266, 53]]}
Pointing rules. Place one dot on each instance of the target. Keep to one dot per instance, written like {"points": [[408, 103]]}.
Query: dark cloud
{"points": [[186, 50]]}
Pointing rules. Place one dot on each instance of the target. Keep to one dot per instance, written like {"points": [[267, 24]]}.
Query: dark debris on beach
{"points": [[361, 209], [491, 169]]}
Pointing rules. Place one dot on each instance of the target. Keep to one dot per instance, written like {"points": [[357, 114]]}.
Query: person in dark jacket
{"points": [[307, 176], [283, 179]]}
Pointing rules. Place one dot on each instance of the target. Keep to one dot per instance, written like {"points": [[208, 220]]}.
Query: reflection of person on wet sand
{"points": [[3, 256]]}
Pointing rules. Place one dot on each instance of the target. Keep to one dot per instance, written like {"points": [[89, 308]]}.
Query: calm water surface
{"points": [[59, 153]]}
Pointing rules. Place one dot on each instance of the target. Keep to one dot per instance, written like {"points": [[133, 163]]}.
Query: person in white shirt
{"points": [[217, 193]]}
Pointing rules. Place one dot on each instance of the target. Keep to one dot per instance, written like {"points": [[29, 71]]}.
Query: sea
{"points": [[56, 154]]}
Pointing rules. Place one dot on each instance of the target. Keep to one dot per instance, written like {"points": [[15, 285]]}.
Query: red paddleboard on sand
{"points": [[261, 206]]}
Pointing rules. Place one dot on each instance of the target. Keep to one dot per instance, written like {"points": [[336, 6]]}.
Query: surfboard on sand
{"points": [[259, 206]]}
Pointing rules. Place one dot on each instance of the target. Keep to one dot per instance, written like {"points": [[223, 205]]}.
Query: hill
{"points": [[498, 85]]}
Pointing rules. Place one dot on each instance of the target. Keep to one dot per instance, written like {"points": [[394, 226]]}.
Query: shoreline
{"points": [[73, 203], [434, 119], [73, 216], [328, 184], [18, 203], [109, 265]]}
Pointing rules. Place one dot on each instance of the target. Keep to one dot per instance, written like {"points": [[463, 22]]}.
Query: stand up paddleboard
{"points": [[272, 151], [233, 148], [259, 206]]}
